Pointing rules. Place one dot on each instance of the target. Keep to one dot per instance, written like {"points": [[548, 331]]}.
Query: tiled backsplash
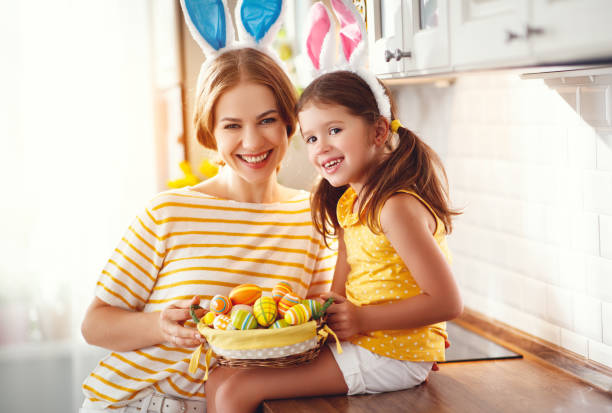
{"points": [[530, 163]]}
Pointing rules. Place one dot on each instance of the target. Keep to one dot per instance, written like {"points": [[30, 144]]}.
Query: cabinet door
{"points": [[429, 37], [570, 30], [385, 34], [488, 33]]}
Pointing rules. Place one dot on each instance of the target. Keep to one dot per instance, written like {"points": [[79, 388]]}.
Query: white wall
{"points": [[533, 248]]}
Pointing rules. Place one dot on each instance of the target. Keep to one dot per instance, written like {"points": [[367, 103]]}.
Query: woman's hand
{"points": [[172, 324], [343, 316]]}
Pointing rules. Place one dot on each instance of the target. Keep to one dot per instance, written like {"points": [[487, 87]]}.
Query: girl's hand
{"points": [[343, 316], [172, 324]]}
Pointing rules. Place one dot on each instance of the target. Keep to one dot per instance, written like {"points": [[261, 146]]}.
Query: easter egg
{"points": [[264, 311], [288, 301], [314, 306], [220, 304], [209, 318], [223, 322], [241, 307], [280, 324], [298, 314], [280, 290], [243, 320], [245, 294]]}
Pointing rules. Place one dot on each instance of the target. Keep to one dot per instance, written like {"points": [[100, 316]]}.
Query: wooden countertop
{"points": [[546, 379]]}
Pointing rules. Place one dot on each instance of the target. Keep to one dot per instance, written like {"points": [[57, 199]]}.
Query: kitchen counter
{"points": [[545, 380]]}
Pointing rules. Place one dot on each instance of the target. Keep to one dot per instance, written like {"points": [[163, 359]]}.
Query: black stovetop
{"points": [[469, 346]]}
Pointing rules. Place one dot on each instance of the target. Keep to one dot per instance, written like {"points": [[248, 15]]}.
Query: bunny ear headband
{"points": [[210, 24], [321, 46]]}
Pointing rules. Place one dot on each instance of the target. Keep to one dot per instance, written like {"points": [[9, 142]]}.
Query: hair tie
{"points": [[395, 125]]}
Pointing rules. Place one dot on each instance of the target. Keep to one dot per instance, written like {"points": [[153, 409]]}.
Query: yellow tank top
{"points": [[378, 275]]}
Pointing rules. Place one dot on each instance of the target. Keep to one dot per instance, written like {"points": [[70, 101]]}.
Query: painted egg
{"points": [[280, 290], [223, 322], [209, 318], [280, 324], [298, 314], [245, 294], [314, 306], [243, 320], [220, 304], [241, 307], [288, 301], [265, 311]]}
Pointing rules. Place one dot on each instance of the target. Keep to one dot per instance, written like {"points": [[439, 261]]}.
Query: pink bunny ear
{"points": [[319, 35], [352, 27]]}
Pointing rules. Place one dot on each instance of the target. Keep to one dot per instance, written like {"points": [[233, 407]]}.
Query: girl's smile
{"points": [[340, 145]]}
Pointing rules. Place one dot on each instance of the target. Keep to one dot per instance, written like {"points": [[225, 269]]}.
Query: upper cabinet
{"points": [[408, 36], [415, 37], [488, 32], [569, 30]]}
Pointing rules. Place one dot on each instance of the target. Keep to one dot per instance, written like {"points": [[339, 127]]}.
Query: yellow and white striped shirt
{"points": [[185, 244]]}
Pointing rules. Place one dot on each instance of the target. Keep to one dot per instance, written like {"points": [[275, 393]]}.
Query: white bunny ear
{"points": [[258, 21], [352, 33], [210, 24], [321, 38]]}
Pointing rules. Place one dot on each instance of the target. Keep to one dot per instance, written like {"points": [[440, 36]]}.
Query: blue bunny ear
{"points": [[259, 20], [210, 24]]}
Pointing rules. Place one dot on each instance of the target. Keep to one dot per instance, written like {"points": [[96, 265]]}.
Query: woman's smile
{"points": [[257, 160]]}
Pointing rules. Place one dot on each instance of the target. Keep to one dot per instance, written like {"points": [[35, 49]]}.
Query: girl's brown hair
{"points": [[228, 70], [410, 165]]}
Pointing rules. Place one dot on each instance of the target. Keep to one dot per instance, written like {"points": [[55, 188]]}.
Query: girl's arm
{"points": [[119, 329], [407, 224]]}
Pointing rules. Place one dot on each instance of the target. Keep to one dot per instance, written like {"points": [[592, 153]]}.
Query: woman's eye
{"points": [[231, 126], [311, 139], [268, 120], [334, 131]]}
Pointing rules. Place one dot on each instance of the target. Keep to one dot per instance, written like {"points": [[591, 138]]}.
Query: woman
{"points": [[240, 226]]}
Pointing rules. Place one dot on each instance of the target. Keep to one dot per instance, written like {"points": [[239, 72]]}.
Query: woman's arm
{"points": [[119, 329], [406, 224]]}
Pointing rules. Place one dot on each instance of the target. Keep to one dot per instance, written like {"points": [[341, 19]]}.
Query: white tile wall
{"points": [[530, 163]]}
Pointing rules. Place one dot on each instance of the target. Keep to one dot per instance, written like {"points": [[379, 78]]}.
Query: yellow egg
{"points": [[265, 311], [298, 314], [209, 318]]}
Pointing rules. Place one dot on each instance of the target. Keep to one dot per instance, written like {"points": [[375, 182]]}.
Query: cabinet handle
{"points": [[530, 31], [397, 55]]}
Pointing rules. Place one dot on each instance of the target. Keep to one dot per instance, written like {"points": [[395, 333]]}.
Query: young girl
{"points": [[240, 226], [383, 194]]}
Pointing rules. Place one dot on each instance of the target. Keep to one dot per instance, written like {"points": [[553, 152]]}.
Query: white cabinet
{"points": [[506, 33], [488, 32], [408, 37], [570, 30]]}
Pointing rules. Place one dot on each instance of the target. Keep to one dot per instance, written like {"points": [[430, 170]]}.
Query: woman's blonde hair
{"points": [[228, 70], [412, 164]]}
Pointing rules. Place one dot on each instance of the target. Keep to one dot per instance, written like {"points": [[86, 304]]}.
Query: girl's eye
{"points": [[311, 139], [334, 131]]}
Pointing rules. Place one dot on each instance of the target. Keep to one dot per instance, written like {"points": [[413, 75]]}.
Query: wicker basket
{"points": [[277, 348]]}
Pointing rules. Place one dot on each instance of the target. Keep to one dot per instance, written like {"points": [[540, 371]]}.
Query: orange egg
{"points": [[245, 294], [280, 290]]}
